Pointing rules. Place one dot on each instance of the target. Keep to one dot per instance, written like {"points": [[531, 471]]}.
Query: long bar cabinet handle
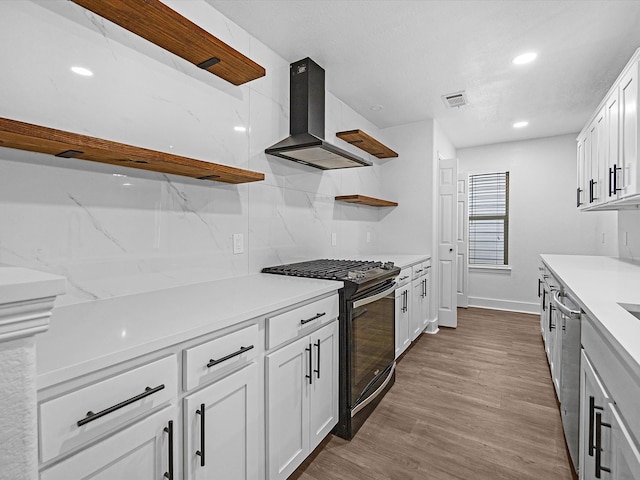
{"points": [[544, 300], [310, 375], [213, 362], [200, 452], [94, 416], [615, 188], [169, 429], [599, 424], [551, 308], [315, 317], [317, 344], [592, 409], [578, 202]]}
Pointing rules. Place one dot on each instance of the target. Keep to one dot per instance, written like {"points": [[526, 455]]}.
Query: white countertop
{"points": [[600, 283], [18, 284], [85, 337]]}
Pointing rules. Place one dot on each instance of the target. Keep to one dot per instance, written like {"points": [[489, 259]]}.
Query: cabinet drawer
{"points": [[204, 362], [404, 276], [420, 269], [59, 429], [301, 320]]}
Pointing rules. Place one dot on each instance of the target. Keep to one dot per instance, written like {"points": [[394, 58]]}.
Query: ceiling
{"points": [[406, 54]]}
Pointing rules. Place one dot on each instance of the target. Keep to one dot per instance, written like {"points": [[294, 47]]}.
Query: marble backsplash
{"points": [[115, 231]]}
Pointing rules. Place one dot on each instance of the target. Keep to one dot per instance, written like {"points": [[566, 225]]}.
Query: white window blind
{"points": [[489, 218]]}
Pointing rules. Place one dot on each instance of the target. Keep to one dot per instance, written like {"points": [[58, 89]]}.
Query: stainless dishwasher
{"points": [[570, 315]]}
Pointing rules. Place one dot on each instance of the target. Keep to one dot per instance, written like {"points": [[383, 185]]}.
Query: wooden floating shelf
{"points": [[370, 201], [156, 22], [35, 138], [365, 142]]}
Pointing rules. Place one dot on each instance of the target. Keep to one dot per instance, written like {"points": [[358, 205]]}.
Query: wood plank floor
{"points": [[472, 403]]}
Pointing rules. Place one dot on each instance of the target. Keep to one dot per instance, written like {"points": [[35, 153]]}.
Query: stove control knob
{"points": [[387, 265]]}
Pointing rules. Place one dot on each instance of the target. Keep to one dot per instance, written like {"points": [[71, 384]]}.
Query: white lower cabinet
{"points": [[142, 451], [302, 398], [222, 428], [607, 449], [419, 306], [402, 317]]}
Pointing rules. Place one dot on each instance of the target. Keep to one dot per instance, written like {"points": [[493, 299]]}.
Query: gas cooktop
{"points": [[357, 274]]}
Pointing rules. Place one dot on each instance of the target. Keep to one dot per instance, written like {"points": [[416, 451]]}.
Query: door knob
{"points": [[451, 249]]}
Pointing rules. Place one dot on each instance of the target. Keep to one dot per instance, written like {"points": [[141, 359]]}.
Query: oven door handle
{"points": [[377, 296]]}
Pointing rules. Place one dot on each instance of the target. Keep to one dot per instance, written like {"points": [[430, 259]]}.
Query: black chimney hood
{"points": [[306, 142]]}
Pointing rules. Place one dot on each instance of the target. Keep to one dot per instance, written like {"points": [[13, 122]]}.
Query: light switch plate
{"points": [[238, 243], [334, 239]]}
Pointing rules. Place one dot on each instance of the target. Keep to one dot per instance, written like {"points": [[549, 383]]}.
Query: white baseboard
{"points": [[508, 305]]}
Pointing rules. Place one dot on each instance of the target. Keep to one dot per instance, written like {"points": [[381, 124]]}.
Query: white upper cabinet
{"points": [[607, 151]]}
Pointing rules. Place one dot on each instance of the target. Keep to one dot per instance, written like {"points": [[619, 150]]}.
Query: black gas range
{"points": [[367, 332]]}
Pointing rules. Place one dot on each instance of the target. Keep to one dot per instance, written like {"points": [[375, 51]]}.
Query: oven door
{"points": [[372, 325]]}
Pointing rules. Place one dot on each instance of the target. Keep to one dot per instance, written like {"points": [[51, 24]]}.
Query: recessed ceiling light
{"points": [[85, 72], [240, 129], [376, 108], [525, 58], [520, 124]]}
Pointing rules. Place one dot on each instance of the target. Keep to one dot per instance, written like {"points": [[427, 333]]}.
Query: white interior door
{"points": [[462, 243], [447, 213]]}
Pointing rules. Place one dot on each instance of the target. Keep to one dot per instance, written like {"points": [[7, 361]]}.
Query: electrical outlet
{"points": [[368, 237], [238, 243], [625, 239], [334, 239]]}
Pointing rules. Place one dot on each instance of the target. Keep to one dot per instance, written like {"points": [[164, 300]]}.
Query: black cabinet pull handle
{"points": [[310, 375], [551, 325], [592, 408], [578, 202], [169, 430], [424, 287], [315, 317], [610, 181], [598, 447], [317, 344], [539, 285], [200, 452], [544, 300], [213, 362], [94, 416]]}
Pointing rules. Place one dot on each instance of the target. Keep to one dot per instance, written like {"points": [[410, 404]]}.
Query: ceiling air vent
{"points": [[457, 99]]}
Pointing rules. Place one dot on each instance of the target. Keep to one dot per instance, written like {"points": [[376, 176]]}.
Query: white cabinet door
{"points": [[424, 301], [582, 193], [593, 399], [139, 452], [288, 371], [624, 462], [226, 444], [416, 323], [614, 177], [628, 91], [323, 407], [403, 311]]}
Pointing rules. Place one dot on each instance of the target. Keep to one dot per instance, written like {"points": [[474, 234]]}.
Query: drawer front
{"points": [[404, 277], [418, 271], [207, 361], [301, 320], [59, 430]]}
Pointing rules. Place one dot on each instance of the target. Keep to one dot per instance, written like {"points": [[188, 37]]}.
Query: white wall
{"points": [[114, 231], [408, 180], [629, 230], [542, 217]]}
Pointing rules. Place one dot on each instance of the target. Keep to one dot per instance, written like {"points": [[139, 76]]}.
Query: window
{"points": [[489, 219]]}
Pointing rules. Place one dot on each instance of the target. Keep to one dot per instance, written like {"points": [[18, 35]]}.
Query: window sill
{"points": [[497, 269]]}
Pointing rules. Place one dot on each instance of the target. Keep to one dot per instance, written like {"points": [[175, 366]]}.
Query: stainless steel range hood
{"points": [[306, 143]]}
